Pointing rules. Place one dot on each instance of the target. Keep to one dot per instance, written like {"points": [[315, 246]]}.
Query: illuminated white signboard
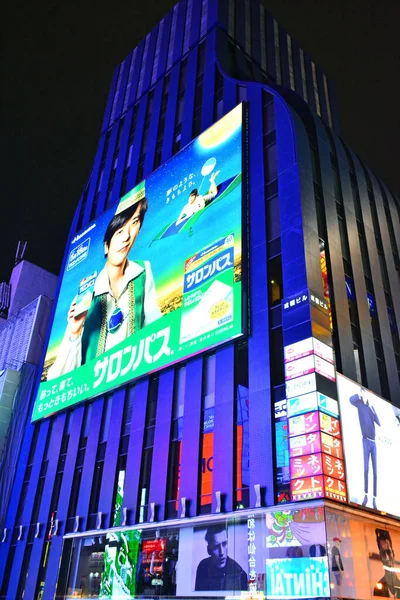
{"points": [[371, 436], [301, 385], [302, 404]]}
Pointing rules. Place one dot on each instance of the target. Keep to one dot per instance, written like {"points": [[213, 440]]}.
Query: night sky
{"points": [[56, 68]]}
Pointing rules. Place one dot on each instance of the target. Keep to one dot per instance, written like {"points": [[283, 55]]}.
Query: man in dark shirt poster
{"points": [[219, 572], [368, 419]]}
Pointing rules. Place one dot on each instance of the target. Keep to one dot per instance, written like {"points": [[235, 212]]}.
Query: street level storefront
{"points": [[316, 550]]}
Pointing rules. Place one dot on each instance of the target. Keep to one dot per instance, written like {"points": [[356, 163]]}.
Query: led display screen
{"points": [[120, 563], [296, 564], [306, 577], [153, 280], [371, 438]]}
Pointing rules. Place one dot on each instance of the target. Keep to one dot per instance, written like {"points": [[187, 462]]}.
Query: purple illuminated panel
{"points": [[306, 466], [307, 488]]}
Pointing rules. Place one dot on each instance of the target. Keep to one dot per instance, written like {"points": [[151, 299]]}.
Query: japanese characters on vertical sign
{"points": [[251, 551], [315, 447], [282, 480]]}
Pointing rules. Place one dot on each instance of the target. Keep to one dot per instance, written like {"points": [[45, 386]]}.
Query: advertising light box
{"points": [[335, 489], [299, 367], [371, 439], [155, 279], [319, 441], [308, 346], [301, 385], [325, 368], [329, 425], [307, 488], [302, 404], [331, 445], [328, 405], [295, 578], [301, 445], [306, 466], [322, 350], [304, 424], [298, 349]]}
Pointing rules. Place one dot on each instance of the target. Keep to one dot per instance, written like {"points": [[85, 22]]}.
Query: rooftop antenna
{"points": [[19, 255]]}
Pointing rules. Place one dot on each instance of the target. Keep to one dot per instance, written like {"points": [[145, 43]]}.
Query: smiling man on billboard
{"points": [[123, 299]]}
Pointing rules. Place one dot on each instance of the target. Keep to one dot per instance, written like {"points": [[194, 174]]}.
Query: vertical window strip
{"points": [[262, 39], [392, 235], [303, 75], [328, 102], [231, 19], [315, 84], [188, 23], [290, 57], [143, 65], [157, 52], [204, 17], [116, 95], [277, 53], [247, 27], [129, 83], [172, 36]]}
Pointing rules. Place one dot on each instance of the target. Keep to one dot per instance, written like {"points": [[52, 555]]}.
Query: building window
{"points": [[207, 437], [147, 456], [157, 52], [231, 19], [176, 444], [218, 96], [143, 65], [290, 57], [242, 475], [276, 357], [117, 90], [247, 27], [328, 102], [303, 76], [270, 163], [275, 287], [277, 53], [172, 36], [188, 23], [204, 17], [315, 85], [273, 218], [129, 83], [263, 39]]}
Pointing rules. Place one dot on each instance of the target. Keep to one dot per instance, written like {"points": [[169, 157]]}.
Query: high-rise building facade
{"points": [[218, 414], [26, 308]]}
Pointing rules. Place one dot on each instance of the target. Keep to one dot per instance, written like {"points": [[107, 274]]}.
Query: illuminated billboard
{"points": [[153, 280], [118, 579], [371, 437], [306, 577], [297, 561]]}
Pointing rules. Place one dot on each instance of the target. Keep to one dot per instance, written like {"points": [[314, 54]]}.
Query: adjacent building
{"points": [[218, 414], [26, 303]]}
